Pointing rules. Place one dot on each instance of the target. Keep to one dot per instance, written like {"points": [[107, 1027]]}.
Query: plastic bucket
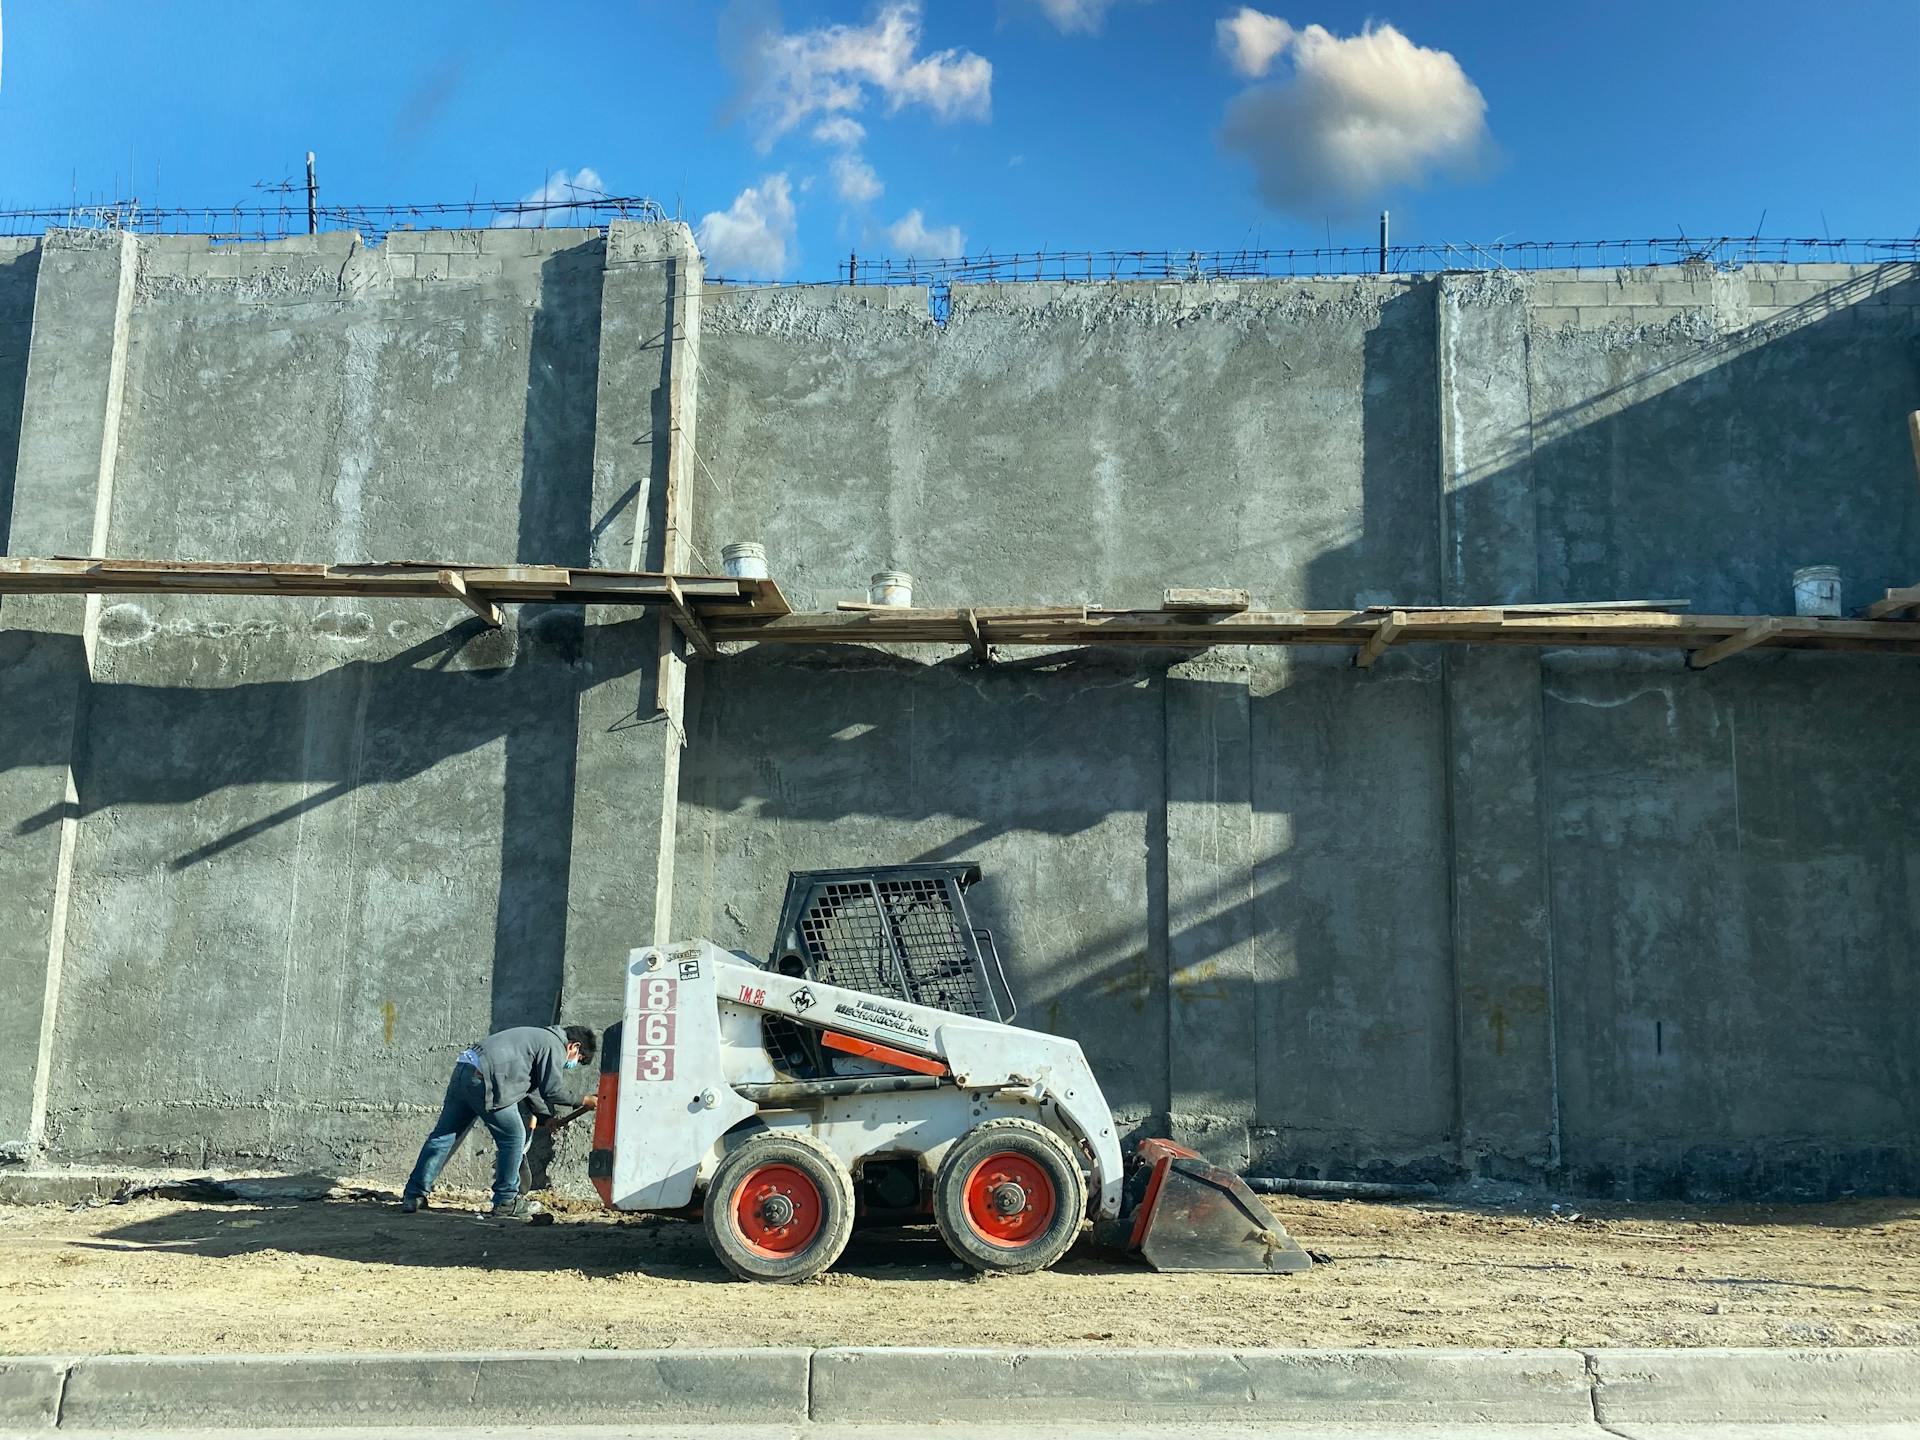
{"points": [[892, 588], [1816, 590], [744, 560]]}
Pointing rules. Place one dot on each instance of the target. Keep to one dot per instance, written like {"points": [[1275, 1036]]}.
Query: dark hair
{"points": [[583, 1037]]}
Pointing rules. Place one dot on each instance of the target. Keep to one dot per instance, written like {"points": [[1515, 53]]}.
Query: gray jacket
{"points": [[525, 1063]]}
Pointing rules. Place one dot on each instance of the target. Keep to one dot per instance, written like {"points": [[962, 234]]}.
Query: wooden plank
{"points": [[1384, 634], [1734, 644], [210, 567], [687, 623], [1206, 601], [981, 654], [1564, 607], [455, 584], [556, 576], [1646, 630], [764, 597], [1897, 603]]}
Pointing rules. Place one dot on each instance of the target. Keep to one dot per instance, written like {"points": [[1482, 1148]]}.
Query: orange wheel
{"points": [[1010, 1199], [1010, 1196], [777, 1209]]}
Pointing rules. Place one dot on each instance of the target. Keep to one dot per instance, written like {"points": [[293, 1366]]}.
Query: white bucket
{"points": [[892, 588], [744, 560], [1816, 590]]}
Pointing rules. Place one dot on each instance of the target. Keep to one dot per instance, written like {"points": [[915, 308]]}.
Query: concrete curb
{"points": [[30, 1391], [1754, 1386], [507, 1388], [929, 1386], [1036, 1387]]}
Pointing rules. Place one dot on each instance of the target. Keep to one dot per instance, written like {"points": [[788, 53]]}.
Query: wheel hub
{"points": [[777, 1210], [1010, 1199]]}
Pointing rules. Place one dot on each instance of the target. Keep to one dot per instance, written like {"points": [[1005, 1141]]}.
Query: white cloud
{"points": [[1357, 115], [561, 187], [1252, 40], [911, 236], [749, 239], [840, 130], [789, 78], [854, 180], [1083, 17]]}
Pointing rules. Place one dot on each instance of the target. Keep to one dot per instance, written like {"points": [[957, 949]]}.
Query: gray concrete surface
{"points": [[706, 1386], [1536, 1387], [1774, 1386], [1172, 1430], [1484, 1391], [1587, 919]]}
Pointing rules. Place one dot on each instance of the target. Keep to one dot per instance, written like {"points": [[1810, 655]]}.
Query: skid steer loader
{"points": [[867, 1072]]}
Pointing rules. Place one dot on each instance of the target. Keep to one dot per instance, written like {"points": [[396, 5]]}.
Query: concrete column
{"points": [[1212, 939], [63, 494], [1507, 1095], [627, 787]]}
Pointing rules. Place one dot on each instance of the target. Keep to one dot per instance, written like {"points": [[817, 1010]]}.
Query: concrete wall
{"points": [[1413, 923], [1580, 916], [299, 833]]}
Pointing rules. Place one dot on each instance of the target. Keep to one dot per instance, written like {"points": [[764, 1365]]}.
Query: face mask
{"points": [[573, 1064]]}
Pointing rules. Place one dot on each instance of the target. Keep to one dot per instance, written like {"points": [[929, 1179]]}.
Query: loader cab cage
{"points": [[896, 930]]}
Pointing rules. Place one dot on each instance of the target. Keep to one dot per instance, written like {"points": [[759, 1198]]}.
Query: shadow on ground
{"points": [[595, 1244]]}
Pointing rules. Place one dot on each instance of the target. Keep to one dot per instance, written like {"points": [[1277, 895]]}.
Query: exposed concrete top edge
{"points": [[1399, 279]]}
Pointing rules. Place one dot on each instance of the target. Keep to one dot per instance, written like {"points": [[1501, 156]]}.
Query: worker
{"points": [[489, 1082]]}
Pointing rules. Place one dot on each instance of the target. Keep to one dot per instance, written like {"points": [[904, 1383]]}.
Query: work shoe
{"points": [[514, 1209], [411, 1203]]}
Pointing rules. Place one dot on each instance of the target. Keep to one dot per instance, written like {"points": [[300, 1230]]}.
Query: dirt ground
{"points": [[344, 1274]]}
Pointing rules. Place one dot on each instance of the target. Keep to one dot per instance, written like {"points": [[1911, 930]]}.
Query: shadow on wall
{"points": [[17, 277], [180, 746], [1710, 474], [557, 527], [380, 722], [1649, 461]]}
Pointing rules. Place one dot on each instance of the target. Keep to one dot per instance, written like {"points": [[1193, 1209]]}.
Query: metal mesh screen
{"points": [[893, 937]]}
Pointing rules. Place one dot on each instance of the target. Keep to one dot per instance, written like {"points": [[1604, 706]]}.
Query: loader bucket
{"points": [[1191, 1215]]}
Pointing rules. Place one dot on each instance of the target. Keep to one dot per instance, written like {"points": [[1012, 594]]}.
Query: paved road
{"points": [[1027, 1432]]}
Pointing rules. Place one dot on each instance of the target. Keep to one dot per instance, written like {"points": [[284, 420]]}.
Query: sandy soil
{"points": [[167, 1276]]}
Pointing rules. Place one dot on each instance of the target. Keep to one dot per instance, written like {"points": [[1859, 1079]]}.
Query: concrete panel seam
{"points": [[30, 1389]]}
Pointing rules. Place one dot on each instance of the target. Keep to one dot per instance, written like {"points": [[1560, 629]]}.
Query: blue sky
{"points": [[996, 124]]}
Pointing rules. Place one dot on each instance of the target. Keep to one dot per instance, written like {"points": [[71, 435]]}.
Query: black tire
{"points": [[818, 1193], [1000, 1165]]}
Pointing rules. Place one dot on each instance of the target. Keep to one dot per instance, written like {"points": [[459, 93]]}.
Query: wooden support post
{"points": [[1745, 640], [1913, 433], [981, 654], [455, 584], [688, 623], [1384, 634]]}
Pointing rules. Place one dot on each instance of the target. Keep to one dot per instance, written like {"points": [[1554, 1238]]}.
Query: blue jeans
{"points": [[466, 1102]]}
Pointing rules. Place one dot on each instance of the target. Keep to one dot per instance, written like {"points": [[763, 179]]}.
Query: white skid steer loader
{"points": [[866, 1073]]}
